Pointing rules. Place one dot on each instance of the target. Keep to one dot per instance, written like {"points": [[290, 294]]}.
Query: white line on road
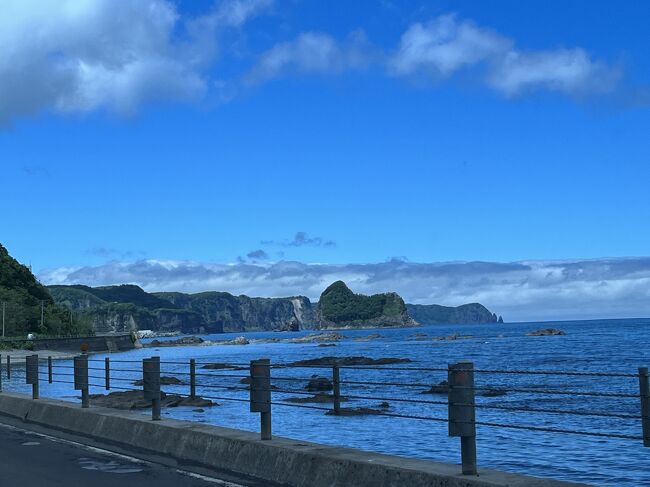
{"points": [[121, 456]]}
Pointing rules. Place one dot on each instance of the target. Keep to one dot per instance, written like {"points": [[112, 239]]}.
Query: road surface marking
{"points": [[121, 456]]}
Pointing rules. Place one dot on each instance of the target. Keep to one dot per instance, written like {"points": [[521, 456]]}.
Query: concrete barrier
{"points": [[294, 463]]}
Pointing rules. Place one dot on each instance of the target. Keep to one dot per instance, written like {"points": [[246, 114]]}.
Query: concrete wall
{"points": [[95, 344], [281, 460]]}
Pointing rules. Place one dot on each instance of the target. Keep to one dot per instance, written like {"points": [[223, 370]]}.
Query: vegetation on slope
{"points": [[339, 304], [22, 296]]}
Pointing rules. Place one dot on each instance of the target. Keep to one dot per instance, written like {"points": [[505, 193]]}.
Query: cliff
{"points": [[433, 314], [125, 308], [128, 308], [243, 313], [339, 307], [22, 296]]}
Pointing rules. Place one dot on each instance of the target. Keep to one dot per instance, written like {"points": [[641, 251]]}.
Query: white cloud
{"points": [[567, 70], [81, 55], [447, 45], [540, 290], [311, 52]]}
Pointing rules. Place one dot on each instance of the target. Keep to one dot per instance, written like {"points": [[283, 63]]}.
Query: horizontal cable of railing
{"points": [[325, 392]]}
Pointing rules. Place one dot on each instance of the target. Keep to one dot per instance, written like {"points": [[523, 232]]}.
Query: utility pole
{"points": [[3, 318], [42, 308]]}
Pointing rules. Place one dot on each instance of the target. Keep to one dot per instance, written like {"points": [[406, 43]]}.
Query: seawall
{"points": [[100, 343], [295, 463]]}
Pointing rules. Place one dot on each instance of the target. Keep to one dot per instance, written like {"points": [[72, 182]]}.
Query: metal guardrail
{"points": [[265, 389]]}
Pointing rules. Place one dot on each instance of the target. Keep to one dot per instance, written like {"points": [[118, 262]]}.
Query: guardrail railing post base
{"points": [[0, 372], [151, 384], [336, 392], [81, 379], [260, 394], [107, 374], [49, 369], [31, 374], [462, 413], [192, 378]]}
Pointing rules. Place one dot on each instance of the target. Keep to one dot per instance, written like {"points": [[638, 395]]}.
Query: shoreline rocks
{"points": [[191, 340]]}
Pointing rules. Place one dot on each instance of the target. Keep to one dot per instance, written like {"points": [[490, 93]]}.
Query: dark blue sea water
{"points": [[589, 346]]}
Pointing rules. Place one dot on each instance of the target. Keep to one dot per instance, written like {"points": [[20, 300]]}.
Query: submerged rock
{"points": [[136, 400], [372, 336], [350, 361], [455, 336], [493, 393], [219, 366], [316, 398], [327, 344], [440, 388], [164, 381], [247, 380], [317, 383], [359, 411], [318, 338], [237, 341], [175, 343], [545, 332]]}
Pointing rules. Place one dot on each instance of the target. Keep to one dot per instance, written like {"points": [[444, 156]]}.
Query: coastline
{"points": [[18, 356]]}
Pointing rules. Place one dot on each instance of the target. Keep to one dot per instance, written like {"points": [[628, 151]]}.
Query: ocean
{"points": [[610, 346]]}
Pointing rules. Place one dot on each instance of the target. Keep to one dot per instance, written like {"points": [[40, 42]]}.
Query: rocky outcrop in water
{"points": [[339, 307]]}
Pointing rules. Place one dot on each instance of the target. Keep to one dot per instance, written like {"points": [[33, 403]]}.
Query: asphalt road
{"points": [[39, 458]]}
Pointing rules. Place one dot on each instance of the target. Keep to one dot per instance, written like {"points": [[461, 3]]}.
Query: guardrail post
{"points": [[0, 372], [49, 369], [31, 374], [151, 384], [192, 378], [260, 394], [8, 367], [336, 382], [644, 390], [462, 414], [107, 373], [81, 378]]}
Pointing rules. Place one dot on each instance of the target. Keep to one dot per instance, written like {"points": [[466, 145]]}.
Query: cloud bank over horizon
{"points": [[520, 291]]}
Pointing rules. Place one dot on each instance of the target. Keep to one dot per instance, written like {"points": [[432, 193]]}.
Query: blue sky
{"points": [[323, 132]]}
